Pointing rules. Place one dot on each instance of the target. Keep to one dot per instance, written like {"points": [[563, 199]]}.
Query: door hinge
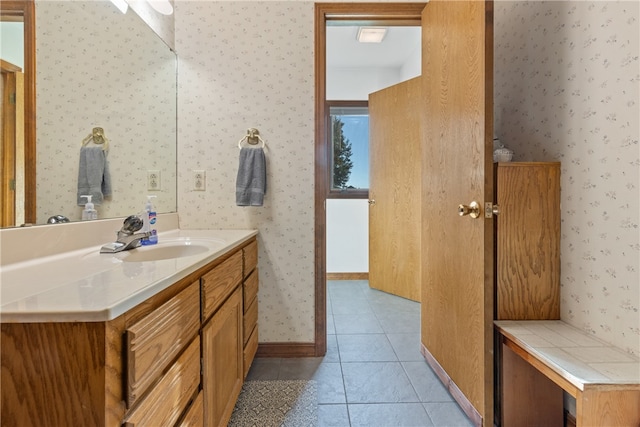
{"points": [[12, 98], [12, 184], [490, 210]]}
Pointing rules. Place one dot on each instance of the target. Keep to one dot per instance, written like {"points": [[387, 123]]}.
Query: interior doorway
{"points": [[383, 14]]}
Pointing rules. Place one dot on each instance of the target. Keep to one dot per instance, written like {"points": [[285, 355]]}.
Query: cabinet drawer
{"points": [[250, 289], [153, 342], [250, 257], [250, 319], [195, 414], [250, 349], [166, 402], [218, 284]]}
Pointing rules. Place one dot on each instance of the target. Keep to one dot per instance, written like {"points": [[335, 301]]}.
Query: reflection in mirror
{"points": [[97, 67], [17, 159]]}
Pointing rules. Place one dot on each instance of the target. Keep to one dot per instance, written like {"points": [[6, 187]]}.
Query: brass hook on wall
{"points": [[252, 137]]}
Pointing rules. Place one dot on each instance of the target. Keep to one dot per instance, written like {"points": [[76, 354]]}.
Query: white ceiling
{"points": [[344, 51]]}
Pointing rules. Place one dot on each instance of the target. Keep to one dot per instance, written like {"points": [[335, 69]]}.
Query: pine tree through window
{"points": [[349, 133]]}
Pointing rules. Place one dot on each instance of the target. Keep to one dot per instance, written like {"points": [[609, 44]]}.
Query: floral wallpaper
{"points": [[98, 67], [242, 65], [566, 89]]}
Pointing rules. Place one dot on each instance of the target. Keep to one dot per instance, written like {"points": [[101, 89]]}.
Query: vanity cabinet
{"points": [[528, 241], [178, 358]]}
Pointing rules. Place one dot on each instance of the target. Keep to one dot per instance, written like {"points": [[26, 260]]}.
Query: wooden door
{"points": [[457, 252], [394, 189]]}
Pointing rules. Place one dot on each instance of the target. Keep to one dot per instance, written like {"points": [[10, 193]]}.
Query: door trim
{"points": [[369, 13]]}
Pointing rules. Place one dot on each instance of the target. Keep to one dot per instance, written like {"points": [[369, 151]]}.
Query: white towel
{"points": [[251, 184], [93, 175]]}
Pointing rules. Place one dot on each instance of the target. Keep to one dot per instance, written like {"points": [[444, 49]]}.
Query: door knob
{"points": [[372, 202], [473, 210]]}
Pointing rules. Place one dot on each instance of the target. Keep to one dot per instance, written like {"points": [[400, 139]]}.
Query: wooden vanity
{"points": [[177, 358]]}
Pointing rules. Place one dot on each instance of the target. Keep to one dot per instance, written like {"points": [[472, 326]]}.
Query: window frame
{"points": [[331, 192]]}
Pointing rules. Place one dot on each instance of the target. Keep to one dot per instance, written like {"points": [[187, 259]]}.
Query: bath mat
{"points": [[276, 403]]}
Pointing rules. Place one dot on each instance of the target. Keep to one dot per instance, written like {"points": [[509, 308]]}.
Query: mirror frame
{"points": [[26, 9]]}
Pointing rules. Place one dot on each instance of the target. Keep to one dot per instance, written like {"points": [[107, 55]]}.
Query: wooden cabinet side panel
{"points": [[609, 407], [154, 341], [528, 397], [223, 361], [220, 282], [528, 241], [52, 374]]}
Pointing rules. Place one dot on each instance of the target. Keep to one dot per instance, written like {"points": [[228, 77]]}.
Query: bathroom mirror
{"points": [[97, 67]]}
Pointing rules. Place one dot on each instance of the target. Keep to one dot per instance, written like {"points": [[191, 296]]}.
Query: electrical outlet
{"points": [[199, 180], [153, 180]]}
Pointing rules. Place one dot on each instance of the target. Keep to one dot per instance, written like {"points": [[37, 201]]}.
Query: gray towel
{"points": [[93, 175], [251, 184]]}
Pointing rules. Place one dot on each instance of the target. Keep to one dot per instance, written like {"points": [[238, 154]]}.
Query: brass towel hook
{"points": [[252, 137]]}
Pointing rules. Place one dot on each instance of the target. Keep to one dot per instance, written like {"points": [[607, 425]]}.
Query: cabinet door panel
{"points": [[528, 241], [223, 361]]}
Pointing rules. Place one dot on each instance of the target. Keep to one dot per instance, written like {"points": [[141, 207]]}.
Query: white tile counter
{"points": [[572, 353], [85, 286]]}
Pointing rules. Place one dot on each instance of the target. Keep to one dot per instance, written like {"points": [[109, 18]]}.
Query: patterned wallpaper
{"points": [[251, 64], [567, 88], [98, 67]]}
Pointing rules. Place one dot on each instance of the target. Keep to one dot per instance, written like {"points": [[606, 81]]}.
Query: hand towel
{"points": [[251, 184], [93, 175]]}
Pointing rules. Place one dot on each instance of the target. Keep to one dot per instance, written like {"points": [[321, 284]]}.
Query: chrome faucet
{"points": [[57, 219], [127, 236]]}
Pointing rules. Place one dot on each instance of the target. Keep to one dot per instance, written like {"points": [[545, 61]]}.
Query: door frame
{"points": [[361, 14]]}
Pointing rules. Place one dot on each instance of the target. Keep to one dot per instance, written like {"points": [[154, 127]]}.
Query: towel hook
{"points": [[252, 137], [98, 138]]}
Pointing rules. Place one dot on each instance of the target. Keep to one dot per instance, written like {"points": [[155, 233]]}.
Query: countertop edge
{"points": [[107, 313]]}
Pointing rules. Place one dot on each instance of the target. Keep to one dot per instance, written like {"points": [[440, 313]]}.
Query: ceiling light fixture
{"points": [[371, 34], [121, 5], [162, 6]]}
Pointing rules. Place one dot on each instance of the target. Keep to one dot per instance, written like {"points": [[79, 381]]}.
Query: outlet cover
{"points": [[199, 180], [153, 180]]}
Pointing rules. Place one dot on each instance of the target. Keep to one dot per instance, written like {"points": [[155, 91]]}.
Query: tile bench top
{"points": [[572, 353]]}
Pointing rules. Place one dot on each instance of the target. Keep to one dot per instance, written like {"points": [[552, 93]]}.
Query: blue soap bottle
{"points": [[149, 217]]}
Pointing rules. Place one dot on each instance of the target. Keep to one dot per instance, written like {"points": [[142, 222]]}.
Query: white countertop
{"points": [[86, 286], [573, 353]]}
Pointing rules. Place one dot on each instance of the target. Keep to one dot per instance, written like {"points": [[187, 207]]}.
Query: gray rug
{"points": [[276, 403]]}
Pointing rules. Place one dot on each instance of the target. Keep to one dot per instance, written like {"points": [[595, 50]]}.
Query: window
{"points": [[349, 149]]}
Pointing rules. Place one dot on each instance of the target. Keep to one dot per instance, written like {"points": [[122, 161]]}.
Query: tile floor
{"points": [[373, 373]]}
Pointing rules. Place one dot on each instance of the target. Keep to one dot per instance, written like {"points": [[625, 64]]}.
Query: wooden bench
{"points": [[541, 358]]}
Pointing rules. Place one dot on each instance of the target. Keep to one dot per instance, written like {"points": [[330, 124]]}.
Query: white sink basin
{"points": [[169, 251]]}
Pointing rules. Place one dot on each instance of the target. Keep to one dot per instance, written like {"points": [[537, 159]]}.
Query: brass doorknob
{"points": [[473, 210], [372, 202]]}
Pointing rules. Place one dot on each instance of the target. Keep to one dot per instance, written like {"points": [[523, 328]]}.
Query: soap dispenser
{"points": [[149, 217], [89, 211]]}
